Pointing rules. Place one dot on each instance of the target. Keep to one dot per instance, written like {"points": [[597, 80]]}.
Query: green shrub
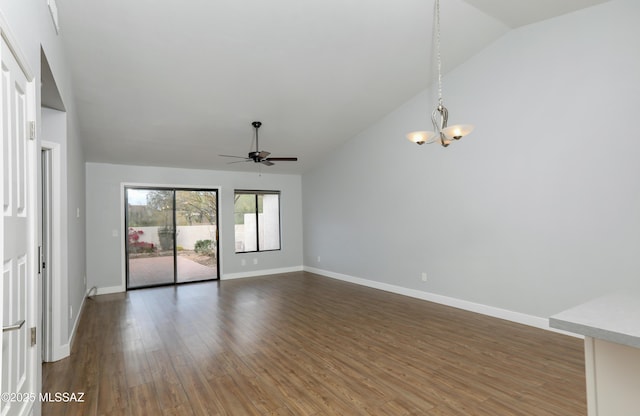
{"points": [[204, 247]]}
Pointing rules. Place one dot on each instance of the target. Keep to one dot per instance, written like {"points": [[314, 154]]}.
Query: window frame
{"points": [[257, 193]]}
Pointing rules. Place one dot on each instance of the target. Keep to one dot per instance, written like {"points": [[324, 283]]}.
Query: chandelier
{"points": [[439, 117]]}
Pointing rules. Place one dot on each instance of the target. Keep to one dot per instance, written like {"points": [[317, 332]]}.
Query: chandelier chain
{"points": [[438, 52]]}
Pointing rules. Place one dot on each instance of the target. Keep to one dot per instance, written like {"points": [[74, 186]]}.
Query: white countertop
{"points": [[613, 318]]}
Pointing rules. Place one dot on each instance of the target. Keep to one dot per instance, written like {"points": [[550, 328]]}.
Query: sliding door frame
{"points": [[125, 221]]}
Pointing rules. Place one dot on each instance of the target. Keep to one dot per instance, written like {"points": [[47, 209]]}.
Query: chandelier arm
{"points": [[434, 120], [440, 118]]}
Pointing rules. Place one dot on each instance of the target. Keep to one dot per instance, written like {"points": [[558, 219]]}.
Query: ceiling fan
{"points": [[260, 156]]}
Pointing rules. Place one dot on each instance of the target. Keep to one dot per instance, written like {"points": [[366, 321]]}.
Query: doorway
{"points": [[51, 262], [171, 236], [45, 252]]}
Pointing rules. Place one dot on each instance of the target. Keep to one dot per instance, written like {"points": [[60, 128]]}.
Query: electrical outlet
{"points": [[424, 276], [255, 261], [243, 262], [70, 311], [318, 259]]}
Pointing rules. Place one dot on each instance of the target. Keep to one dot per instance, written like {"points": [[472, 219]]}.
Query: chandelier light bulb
{"points": [[457, 131], [422, 137]]}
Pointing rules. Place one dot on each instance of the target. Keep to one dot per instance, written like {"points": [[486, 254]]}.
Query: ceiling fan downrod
{"points": [[256, 125]]}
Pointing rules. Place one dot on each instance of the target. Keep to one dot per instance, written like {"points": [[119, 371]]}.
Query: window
{"points": [[257, 221]]}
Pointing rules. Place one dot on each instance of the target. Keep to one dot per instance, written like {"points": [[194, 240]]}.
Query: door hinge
{"points": [[33, 336], [32, 130]]}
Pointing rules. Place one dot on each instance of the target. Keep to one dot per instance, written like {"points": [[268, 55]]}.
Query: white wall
{"points": [[31, 26], [186, 235], [105, 208], [534, 212]]}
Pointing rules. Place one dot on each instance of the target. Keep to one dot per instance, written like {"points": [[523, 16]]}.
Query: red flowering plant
{"points": [[136, 245]]}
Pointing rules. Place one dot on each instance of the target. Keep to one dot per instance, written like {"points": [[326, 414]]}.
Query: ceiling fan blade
{"points": [[267, 162], [263, 154], [284, 159], [240, 161], [237, 157]]}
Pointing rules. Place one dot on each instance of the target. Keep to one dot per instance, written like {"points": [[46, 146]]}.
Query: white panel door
{"points": [[18, 291]]}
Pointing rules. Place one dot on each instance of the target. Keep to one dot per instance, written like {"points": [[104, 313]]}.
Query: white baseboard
{"points": [[229, 276], [64, 350], [517, 317], [75, 325], [109, 290], [59, 352]]}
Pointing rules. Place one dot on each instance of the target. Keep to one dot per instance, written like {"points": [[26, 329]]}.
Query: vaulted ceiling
{"points": [[176, 83]]}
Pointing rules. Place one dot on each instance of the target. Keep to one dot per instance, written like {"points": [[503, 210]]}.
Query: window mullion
{"points": [[257, 225]]}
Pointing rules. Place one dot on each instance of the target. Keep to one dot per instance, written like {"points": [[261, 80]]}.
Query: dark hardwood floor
{"points": [[301, 344]]}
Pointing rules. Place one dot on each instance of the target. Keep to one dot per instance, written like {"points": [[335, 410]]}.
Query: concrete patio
{"points": [[149, 271]]}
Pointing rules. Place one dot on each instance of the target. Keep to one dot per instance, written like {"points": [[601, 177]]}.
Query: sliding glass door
{"points": [[172, 236], [150, 233], [197, 248]]}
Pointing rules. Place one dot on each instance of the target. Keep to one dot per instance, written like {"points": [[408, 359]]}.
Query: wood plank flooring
{"points": [[302, 344]]}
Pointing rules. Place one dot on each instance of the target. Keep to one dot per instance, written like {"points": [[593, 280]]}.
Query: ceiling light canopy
{"points": [[443, 133]]}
